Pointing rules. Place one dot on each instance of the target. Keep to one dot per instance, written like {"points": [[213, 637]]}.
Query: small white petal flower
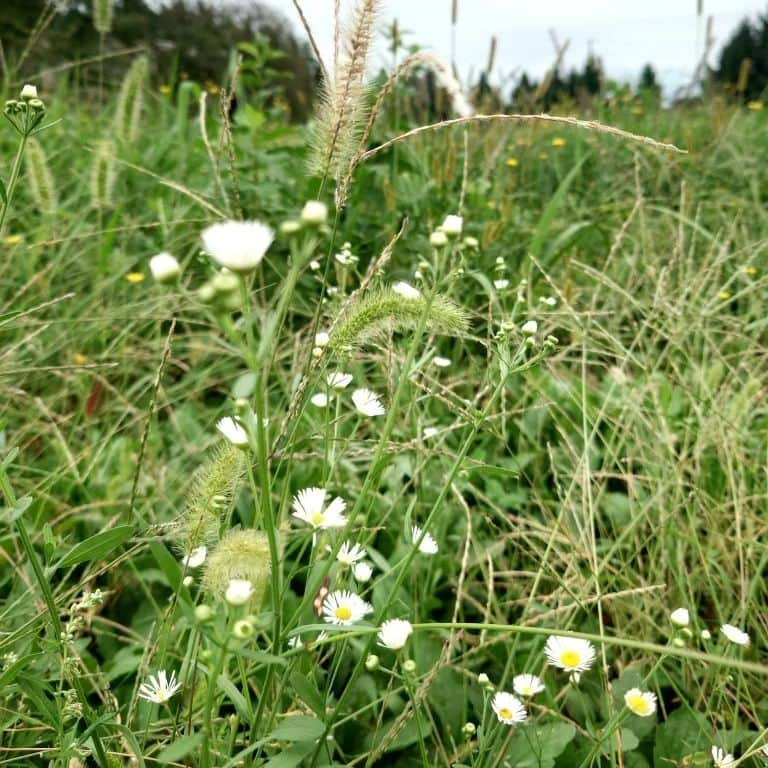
{"points": [[238, 592], [320, 400], [368, 403], [308, 506], [764, 750], [680, 617], [314, 212], [362, 572], [500, 285], [406, 290], [338, 380], [350, 553], [164, 267], [322, 339], [735, 635], [441, 362], [344, 608], [529, 327], [438, 239], [430, 432], [641, 703], [237, 245], [721, 759], [508, 708], [394, 633], [160, 688], [195, 558], [527, 685], [187, 581], [569, 653], [550, 301], [428, 545], [295, 642], [452, 225], [706, 634], [232, 431], [28, 92]]}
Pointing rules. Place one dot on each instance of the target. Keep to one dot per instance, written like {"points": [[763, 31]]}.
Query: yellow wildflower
{"points": [[80, 358], [724, 295], [543, 156], [512, 162], [13, 239], [755, 106], [134, 277], [558, 142], [165, 89], [749, 270]]}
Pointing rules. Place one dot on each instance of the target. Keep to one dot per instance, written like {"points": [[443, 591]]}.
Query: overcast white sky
{"points": [[624, 33]]}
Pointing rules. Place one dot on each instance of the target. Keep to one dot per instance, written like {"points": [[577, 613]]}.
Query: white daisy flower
{"points": [[721, 759], [164, 267], [527, 685], [321, 339], [706, 634], [237, 245], [320, 400], [406, 290], [195, 558], [338, 380], [350, 553], [508, 708], [680, 617], [308, 506], [362, 572], [428, 545], [394, 633], [569, 653], [368, 403], [641, 703], [232, 431], [295, 642], [159, 688], [529, 327], [344, 608], [735, 635], [452, 225], [238, 592], [441, 362], [500, 285]]}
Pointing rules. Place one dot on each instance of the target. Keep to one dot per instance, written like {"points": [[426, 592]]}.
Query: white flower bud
{"points": [[314, 213], [453, 225], [438, 239], [164, 267], [680, 617], [530, 327], [238, 592], [29, 92]]}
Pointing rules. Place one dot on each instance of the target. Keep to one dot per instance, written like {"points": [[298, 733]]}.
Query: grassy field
{"points": [[580, 477]]}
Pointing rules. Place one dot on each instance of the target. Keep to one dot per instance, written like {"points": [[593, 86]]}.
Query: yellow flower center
{"points": [[570, 658], [527, 690], [343, 613], [638, 704], [318, 518], [505, 714]]}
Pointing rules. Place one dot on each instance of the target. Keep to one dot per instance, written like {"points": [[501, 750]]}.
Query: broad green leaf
{"points": [[97, 546], [298, 728], [237, 698], [292, 756], [308, 693], [180, 748]]}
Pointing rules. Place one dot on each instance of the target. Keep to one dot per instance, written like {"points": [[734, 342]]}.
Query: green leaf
{"points": [[180, 748], [3, 193], [291, 757], [538, 746], [308, 693], [298, 728], [683, 734], [97, 546], [237, 698], [18, 509], [244, 386]]}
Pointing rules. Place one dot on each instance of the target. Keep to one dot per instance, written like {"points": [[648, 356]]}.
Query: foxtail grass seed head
{"points": [[160, 687], [130, 101], [344, 608], [40, 178], [238, 568], [309, 507], [314, 213], [237, 245], [527, 685], [508, 708], [571, 654], [735, 635], [102, 16], [722, 759], [394, 633], [232, 431], [362, 572], [103, 174], [640, 703], [368, 403], [452, 225], [680, 617], [426, 543], [164, 267]]}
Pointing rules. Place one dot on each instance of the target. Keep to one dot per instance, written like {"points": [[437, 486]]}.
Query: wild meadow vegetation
{"points": [[447, 454]]}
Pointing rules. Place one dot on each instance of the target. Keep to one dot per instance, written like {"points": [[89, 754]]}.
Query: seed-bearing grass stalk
{"points": [[102, 22], [103, 174], [130, 101], [39, 177]]}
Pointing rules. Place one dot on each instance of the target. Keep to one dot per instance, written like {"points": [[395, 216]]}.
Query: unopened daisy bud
{"points": [[206, 293], [469, 730], [685, 632], [206, 654], [314, 213], [409, 667], [187, 581], [438, 239], [471, 242], [483, 679], [362, 572], [394, 633], [314, 265], [203, 613], [164, 267], [238, 592], [372, 662], [678, 642], [680, 617], [28, 92], [529, 327], [290, 227], [501, 285], [452, 225], [317, 351], [320, 400], [706, 634], [242, 629], [322, 339]]}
